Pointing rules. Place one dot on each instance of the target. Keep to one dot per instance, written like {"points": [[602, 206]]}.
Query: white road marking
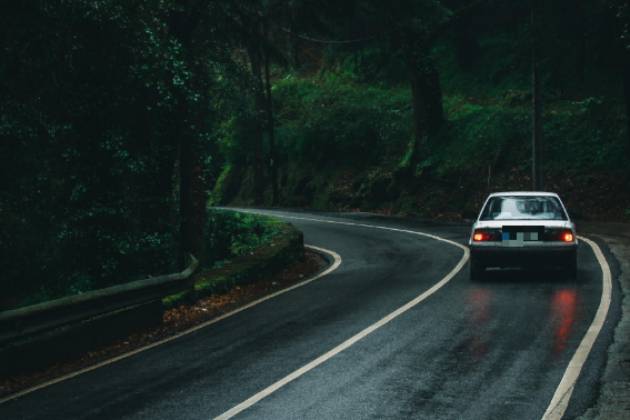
{"points": [[338, 222], [561, 397], [362, 334], [336, 263], [556, 408]]}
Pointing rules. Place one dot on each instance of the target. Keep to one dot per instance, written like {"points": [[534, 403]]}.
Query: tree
{"points": [[83, 105], [184, 22], [622, 10], [100, 103], [253, 22], [537, 112], [466, 44], [426, 93], [202, 41], [407, 28]]}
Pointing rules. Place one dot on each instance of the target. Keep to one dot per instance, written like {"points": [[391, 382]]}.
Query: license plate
{"points": [[520, 236], [517, 235]]}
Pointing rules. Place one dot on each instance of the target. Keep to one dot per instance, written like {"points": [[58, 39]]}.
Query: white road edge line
{"points": [[336, 263], [362, 334], [561, 397]]}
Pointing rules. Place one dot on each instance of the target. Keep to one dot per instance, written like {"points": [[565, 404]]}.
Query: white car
{"points": [[520, 229]]}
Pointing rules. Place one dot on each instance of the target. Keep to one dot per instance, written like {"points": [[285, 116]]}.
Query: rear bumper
{"points": [[490, 256]]}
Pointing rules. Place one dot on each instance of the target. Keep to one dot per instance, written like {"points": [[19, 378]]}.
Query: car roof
{"points": [[525, 193]]}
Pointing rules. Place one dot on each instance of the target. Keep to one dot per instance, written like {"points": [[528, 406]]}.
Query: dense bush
{"points": [[232, 234], [343, 141], [336, 122], [332, 120], [72, 270], [85, 160], [95, 99]]}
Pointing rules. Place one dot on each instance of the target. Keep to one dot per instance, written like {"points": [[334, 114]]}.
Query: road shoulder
{"points": [[613, 400], [177, 321]]}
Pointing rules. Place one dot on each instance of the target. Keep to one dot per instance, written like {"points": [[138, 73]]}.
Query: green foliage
{"points": [[586, 137], [95, 98], [101, 101], [81, 147], [331, 120], [231, 234], [487, 79], [479, 136], [279, 246], [175, 299], [580, 137], [221, 187], [375, 64]]}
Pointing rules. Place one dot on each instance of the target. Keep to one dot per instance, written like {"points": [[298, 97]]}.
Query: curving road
{"points": [[495, 349]]}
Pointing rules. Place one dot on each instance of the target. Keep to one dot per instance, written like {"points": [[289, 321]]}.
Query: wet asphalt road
{"points": [[494, 349]]}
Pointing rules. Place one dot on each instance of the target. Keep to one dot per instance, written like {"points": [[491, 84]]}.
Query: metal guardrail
{"points": [[23, 324]]}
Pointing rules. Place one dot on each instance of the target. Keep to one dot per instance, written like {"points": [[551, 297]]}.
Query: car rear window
{"points": [[523, 208]]}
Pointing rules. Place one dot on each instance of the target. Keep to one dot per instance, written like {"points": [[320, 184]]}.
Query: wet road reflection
{"points": [[479, 301], [561, 303], [563, 307]]}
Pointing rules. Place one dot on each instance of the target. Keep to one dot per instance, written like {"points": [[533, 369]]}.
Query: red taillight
{"points": [[567, 236], [485, 235]]}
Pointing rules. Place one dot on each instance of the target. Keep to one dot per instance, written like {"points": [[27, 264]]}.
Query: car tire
{"points": [[476, 269]]}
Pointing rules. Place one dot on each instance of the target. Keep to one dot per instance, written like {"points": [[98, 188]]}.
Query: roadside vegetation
{"points": [[121, 121], [345, 135], [228, 235], [345, 145]]}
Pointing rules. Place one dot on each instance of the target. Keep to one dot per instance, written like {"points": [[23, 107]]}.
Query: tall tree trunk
{"points": [[294, 50], [189, 242], [192, 191], [466, 45], [626, 90], [419, 117], [182, 25], [433, 97], [273, 162], [259, 99], [580, 36], [537, 105], [426, 94]]}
